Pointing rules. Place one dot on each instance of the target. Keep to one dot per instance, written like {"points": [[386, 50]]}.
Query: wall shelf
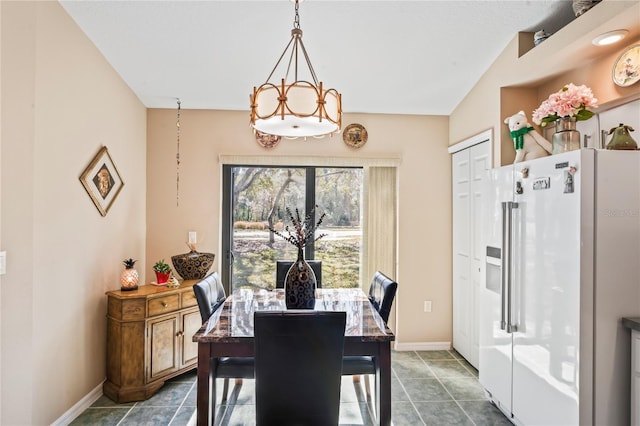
{"points": [[566, 56]]}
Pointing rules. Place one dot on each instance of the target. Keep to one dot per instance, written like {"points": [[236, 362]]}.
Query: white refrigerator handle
{"points": [[511, 328], [505, 259]]}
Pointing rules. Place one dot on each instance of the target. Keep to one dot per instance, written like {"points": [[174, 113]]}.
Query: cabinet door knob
{"points": [[179, 334], [164, 304]]}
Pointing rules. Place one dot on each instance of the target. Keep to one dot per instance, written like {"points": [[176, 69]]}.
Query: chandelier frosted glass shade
{"points": [[299, 109]]}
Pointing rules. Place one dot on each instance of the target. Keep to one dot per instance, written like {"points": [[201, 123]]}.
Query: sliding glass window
{"points": [[256, 198]]}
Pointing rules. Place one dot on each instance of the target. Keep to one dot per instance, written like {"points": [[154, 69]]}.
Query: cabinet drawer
{"points": [[126, 310], [163, 305], [188, 299]]}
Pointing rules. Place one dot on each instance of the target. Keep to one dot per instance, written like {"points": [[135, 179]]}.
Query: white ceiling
{"points": [[395, 57]]}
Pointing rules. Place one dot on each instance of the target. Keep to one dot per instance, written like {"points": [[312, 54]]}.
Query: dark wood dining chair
{"points": [[282, 267], [381, 295], [298, 358], [210, 296]]}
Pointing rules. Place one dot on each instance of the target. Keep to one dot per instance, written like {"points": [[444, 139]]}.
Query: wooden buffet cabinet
{"points": [[149, 333]]}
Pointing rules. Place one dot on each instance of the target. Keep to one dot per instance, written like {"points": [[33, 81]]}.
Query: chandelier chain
{"points": [[178, 156], [296, 20]]}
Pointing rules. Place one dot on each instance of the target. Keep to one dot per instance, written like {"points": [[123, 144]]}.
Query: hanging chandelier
{"points": [[297, 108]]}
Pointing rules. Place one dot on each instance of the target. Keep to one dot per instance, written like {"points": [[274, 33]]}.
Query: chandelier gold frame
{"points": [[298, 109]]}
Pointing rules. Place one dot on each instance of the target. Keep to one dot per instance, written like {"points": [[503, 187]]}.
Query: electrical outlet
{"points": [[427, 305]]}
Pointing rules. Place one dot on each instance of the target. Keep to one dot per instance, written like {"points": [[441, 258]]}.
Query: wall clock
{"points": [[626, 69], [355, 135]]}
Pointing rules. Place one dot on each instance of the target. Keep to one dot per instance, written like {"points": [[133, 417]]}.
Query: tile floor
{"points": [[428, 388]]}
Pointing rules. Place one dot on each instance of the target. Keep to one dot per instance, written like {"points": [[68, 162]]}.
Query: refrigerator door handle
{"points": [[504, 262], [511, 328]]}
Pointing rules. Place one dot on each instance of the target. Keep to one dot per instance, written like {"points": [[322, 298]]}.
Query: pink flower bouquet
{"points": [[570, 101]]}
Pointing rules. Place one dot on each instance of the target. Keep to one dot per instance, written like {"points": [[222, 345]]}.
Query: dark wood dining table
{"points": [[229, 332]]}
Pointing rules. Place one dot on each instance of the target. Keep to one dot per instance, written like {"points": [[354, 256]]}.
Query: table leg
{"points": [[383, 385], [206, 386]]}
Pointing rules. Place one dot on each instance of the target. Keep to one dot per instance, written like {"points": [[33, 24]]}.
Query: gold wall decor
{"points": [[626, 70], [355, 135], [102, 181]]}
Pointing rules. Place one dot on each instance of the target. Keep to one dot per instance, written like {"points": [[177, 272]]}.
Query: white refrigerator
{"points": [[562, 269]]}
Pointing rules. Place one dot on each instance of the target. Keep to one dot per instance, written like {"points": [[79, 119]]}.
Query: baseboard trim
{"points": [[422, 346], [79, 407]]}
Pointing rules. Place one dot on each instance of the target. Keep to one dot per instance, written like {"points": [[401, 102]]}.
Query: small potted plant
{"points": [[162, 270]]}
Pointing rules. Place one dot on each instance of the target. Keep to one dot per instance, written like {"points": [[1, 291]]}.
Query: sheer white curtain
{"points": [[379, 223]]}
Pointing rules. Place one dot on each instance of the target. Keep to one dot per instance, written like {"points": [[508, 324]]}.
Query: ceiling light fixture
{"points": [[299, 108], [609, 37]]}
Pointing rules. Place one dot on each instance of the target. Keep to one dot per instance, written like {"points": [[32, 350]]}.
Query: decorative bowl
{"points": [[192, 265]]}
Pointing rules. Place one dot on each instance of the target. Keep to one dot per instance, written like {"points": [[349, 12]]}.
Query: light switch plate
{"points": [[3, 262]]}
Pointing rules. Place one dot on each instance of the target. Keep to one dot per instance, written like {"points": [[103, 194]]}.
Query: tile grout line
{"points": [[128, 412], [445, 388], [407, 393], [467, 368], [182, 403], [457, 402]]}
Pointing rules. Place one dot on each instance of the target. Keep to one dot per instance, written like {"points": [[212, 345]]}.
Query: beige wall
{"points": [[518, 81], [61, 102], [424, 252]]}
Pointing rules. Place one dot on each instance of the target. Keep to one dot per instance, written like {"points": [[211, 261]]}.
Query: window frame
{"points": [[380, 241], [227, 214]]}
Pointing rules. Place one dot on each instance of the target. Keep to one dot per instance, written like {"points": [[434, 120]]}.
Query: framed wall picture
{"points": [[102, 181]]}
